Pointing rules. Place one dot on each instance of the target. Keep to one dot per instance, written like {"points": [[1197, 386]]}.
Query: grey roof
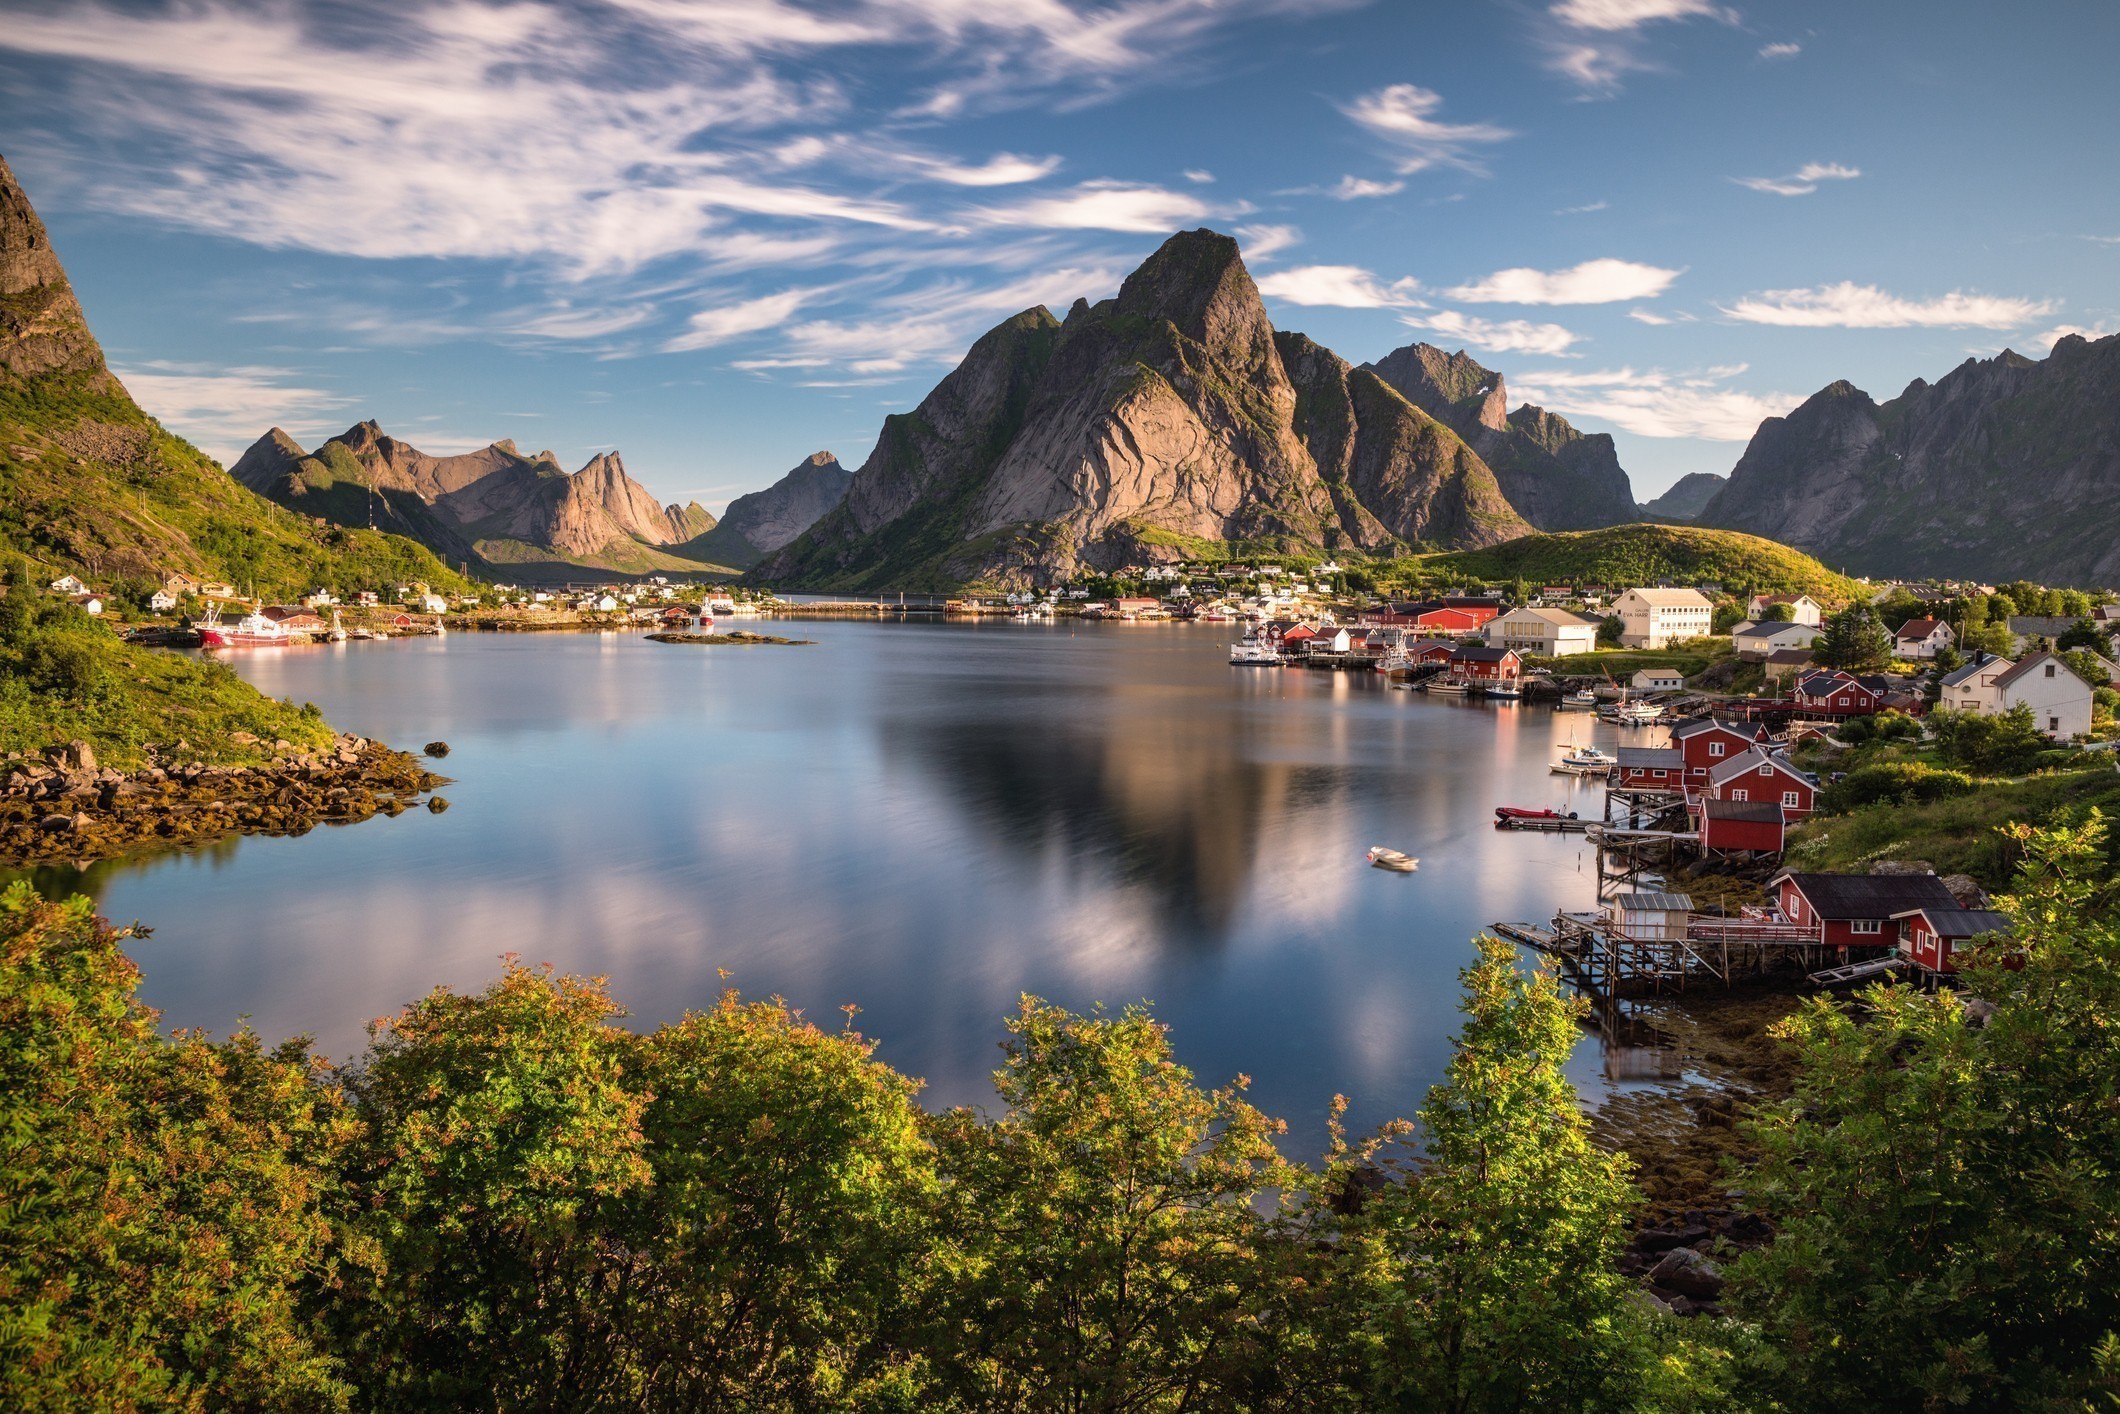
{"points": [[1838, 896], [1762, 810], [1653, 903], [1789, 657], [1651, 757], [2047, 625], [1972, 669], [1693, 726], [1485, 655], [1961, 922], [1744, 763]]}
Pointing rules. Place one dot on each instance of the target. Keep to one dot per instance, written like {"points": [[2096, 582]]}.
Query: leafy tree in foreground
{"points": [[1106, 1227], [160, 1201], [1487, 1277], [1947, 1191]]}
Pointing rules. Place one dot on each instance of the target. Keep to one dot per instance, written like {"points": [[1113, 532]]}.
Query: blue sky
{"points": [[721, 234]]}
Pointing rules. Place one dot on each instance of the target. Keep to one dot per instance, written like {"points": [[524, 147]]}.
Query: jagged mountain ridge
{"points": [[1145, 427], [494, 505], [1688, 496], [2003, 468], [760, 522], [1557, 477], [89, 482]]}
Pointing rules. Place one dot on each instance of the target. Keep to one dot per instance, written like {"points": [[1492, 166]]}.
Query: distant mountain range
{"points": [[1175, 418], [502, 513], [1687, 496], [2004, 468], [91, 483]]}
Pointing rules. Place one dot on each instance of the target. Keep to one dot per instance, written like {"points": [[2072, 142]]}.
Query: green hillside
{"points": [[1643, 554]]}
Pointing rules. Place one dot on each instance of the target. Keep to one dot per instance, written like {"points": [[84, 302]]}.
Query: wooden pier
{"points": [[1608, 965], [1562, 826]]}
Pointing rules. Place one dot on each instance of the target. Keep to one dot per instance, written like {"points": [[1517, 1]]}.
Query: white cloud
{"points": [[1265, 242], [1001, 170], [1342, 286], [1803, 181], [1848, 305], [1404, 116], [568, 322], [1500, 336], [1199, 175], [1355, 188], [1104, 206], [224, 410], [1595, 44], [1583, 210], [1656, 403], [1784, 50], [1651, 317], [2055, 335], [1592, 282], [722, 323], [1633, 14]]}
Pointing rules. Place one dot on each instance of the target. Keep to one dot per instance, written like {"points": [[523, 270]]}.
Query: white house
{"points": [[1803, 608], [1656, 618], [1658, 680], [161, 601], [1550, 633], [1761, 640], [89, 603], [68, 585], [1922, 639], [434, 603], [2059, 700]]}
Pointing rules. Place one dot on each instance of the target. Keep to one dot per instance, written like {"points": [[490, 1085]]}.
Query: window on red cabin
{"points": [[1864, 925], [1789, 797], [1739, 795], [1715, 748]]}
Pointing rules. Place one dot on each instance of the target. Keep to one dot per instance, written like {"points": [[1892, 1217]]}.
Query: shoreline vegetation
{"points": [[738, 638], [512, 1200]]}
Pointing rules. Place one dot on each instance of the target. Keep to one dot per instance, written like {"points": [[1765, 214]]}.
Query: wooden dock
{"points": [[1607, 965]]}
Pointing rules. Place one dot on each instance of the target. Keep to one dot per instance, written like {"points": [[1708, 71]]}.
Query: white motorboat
{"points": [[1449, 687], [1638, 714], [1253, 655], [1585, 761], [1382, 858], [1579, 701]]}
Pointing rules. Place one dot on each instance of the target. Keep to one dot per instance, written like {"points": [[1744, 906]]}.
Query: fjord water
{"points": [[921, 819]]}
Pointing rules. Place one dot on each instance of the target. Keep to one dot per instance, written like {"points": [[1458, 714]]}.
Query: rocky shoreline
{"points": [[737, 639], [61, 805]]}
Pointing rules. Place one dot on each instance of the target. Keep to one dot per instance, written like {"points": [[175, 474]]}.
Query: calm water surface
{"points": [[923, 819]]}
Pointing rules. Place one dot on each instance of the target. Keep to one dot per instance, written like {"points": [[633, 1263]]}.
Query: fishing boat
{"points": [[1585, 761], [1449, 687], [1503, 692], [1637, 714], [1253, 655], [253, 630], [1382, 858], [1581, 700]]}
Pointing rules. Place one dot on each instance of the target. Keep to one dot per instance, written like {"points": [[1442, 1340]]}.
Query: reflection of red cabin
{"points": [[1759, 774], [1857, 910], [1649, 768], [1487, 664], [1749, 825], [1930, 935], [1708, 742]]}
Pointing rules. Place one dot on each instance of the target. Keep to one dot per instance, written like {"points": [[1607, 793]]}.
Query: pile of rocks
{"points": [[62, 805], [1678, 1260]]}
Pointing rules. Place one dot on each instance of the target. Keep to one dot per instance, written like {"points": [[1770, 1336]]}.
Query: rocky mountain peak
{"points": [[42, 328], [1196, 280]]}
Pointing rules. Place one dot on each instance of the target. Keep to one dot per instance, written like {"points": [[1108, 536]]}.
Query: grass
{"points": [[65, 677], [1625, 555]]}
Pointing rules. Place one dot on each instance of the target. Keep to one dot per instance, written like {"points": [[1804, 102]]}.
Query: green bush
{"points": [[1901, 782]]}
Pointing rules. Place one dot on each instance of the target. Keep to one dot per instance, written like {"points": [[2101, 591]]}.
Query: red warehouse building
{"points": [[1741, 826], [1487, 664], [1759, 775], [1650, 768], [1708, 741], [1930, 937], [1857, 910]]}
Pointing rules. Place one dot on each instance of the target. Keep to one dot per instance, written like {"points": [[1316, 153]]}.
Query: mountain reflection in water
{"points": [[923, 819]]}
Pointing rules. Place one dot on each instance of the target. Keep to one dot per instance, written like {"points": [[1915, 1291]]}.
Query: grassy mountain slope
{"points": [[1642, 554]]}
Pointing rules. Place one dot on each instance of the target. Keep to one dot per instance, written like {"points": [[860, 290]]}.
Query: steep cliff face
{"points": [[494, 506], [90, 483], [1555, 476], [1140, 428], [2005, 467]]}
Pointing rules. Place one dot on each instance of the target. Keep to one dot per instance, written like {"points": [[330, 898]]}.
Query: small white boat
{"points": [[1382, 858], [1253, 655], [1448, 687], [1502, 693], [1578, 701], [1585, 761], [1638, 714], [338, 629]]}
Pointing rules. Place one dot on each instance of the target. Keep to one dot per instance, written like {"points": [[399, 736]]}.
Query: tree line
{"points": [[511, 1201]]}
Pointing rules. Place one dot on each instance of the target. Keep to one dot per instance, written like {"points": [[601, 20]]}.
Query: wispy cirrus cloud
{"points": [[224, 409], [1786, 49], [1847, 305], [1404, 116], [1495, 335], [1103, 206], [1656, 403], [1341, 286], [1265, 242], [1803, 181], [720, 323], [1592, 282], [1596, 43], [2046, 339]]}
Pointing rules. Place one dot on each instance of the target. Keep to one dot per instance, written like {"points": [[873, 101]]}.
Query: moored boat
{"points": [[1253, 655], [1449, 687], [253, 630], [1382, 858], [1506, 813]]}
